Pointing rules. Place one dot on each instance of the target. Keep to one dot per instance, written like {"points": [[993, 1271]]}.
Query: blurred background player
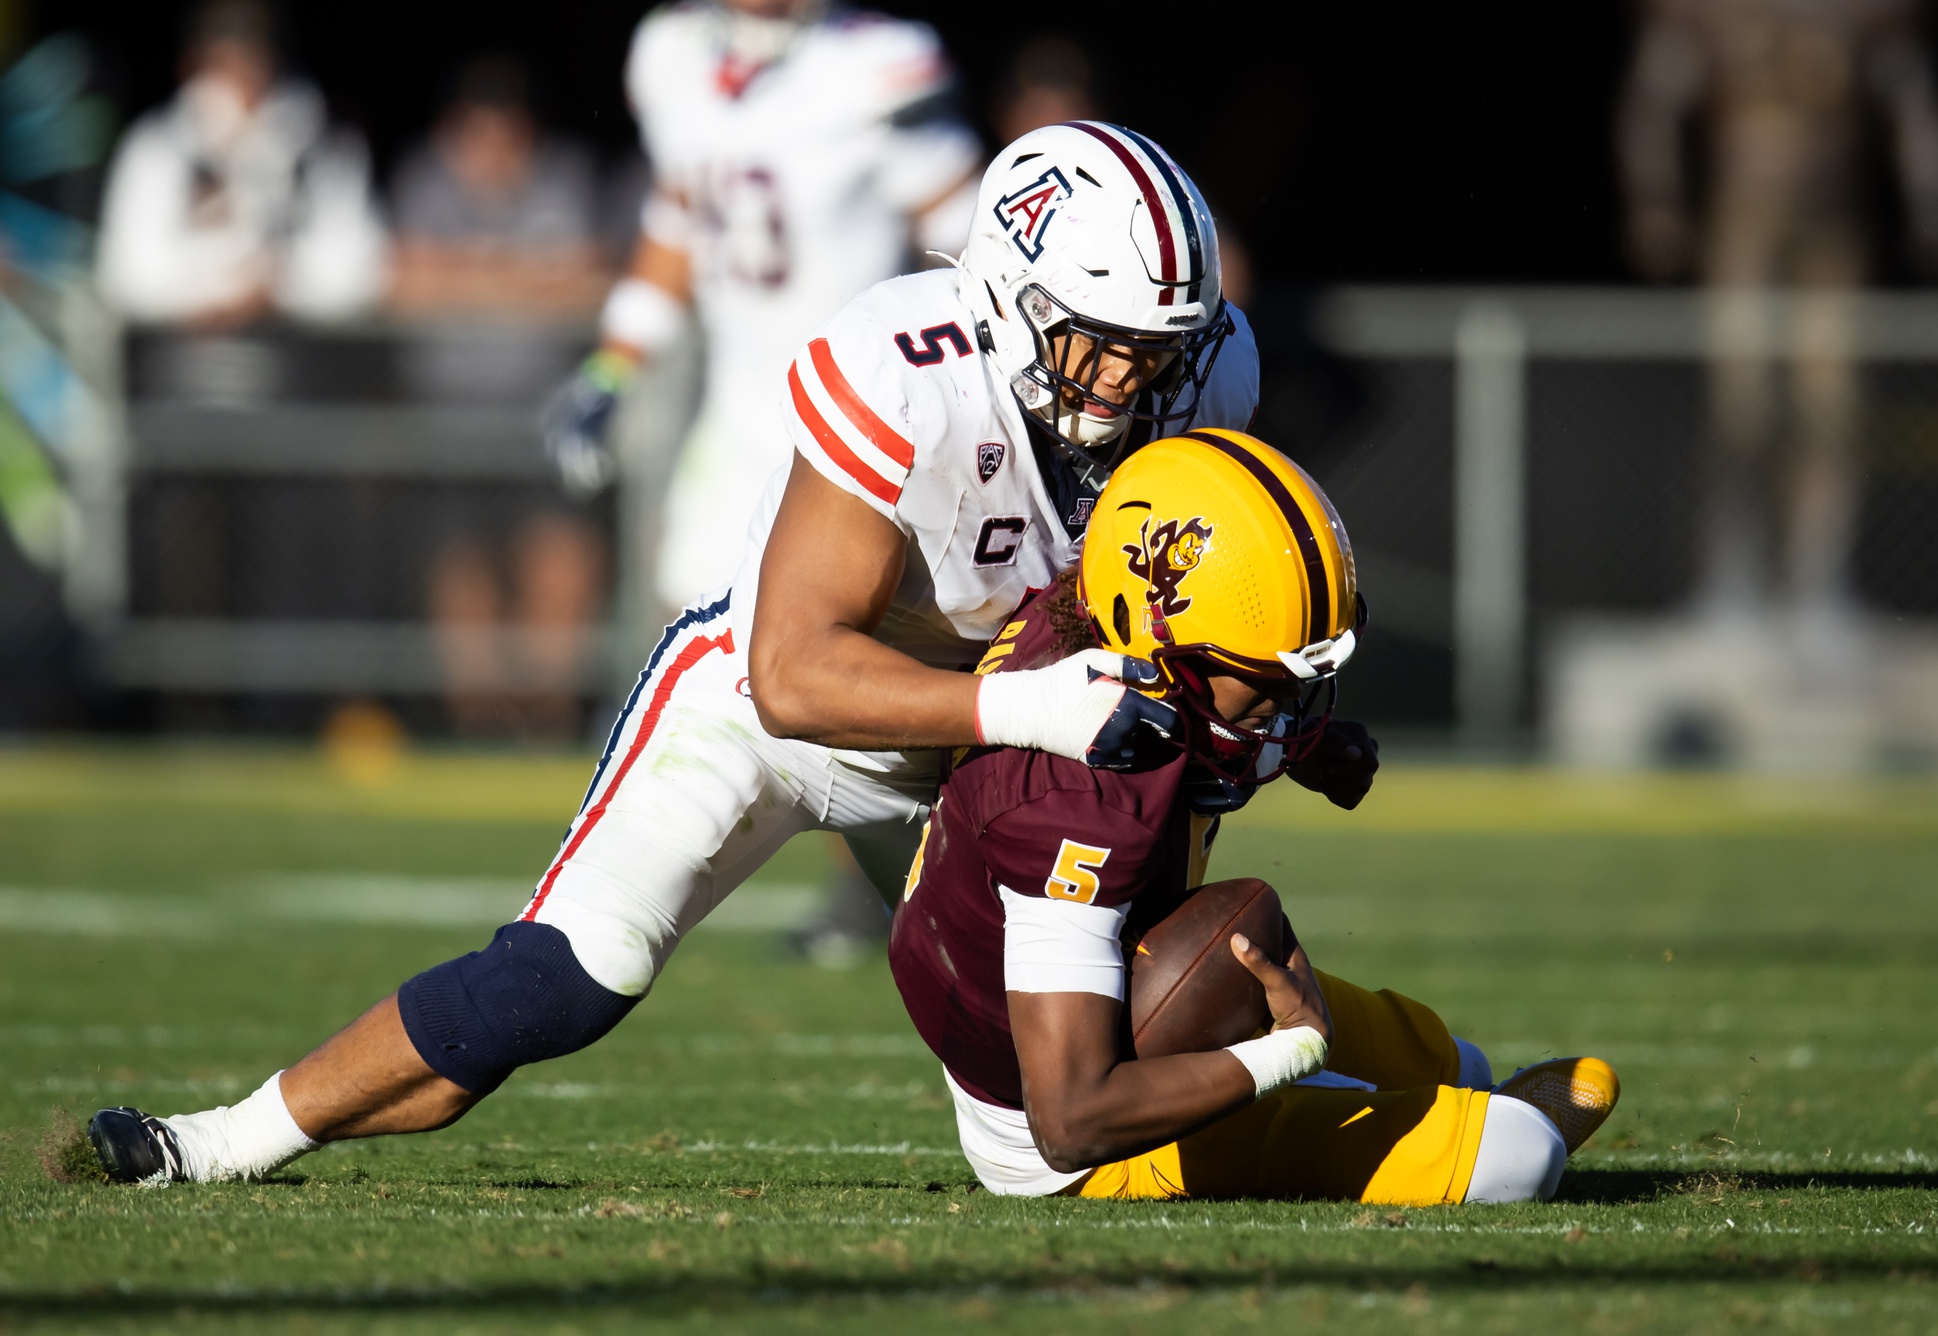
{"points": [[239, 199], [801, 153], [497, 234], [1784, 91]]}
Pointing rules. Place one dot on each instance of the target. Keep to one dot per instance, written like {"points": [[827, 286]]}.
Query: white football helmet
{"points": [[1091, 229]]}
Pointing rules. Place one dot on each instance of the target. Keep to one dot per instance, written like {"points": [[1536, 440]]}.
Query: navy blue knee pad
{"points": [[522, 999]]}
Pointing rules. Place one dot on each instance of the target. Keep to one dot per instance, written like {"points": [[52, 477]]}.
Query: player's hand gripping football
{"points": [[576, 421], [1341, 765], [1291, 990], [1082, 707]]}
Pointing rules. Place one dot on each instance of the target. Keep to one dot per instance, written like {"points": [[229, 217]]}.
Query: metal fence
{"points": [[1515, 466], [288, 492], [261, 511]]}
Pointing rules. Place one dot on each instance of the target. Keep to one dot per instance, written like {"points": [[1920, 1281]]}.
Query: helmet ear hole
{"points": [[1120, 619]]}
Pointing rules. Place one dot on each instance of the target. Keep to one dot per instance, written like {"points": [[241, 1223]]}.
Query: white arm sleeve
{"points": [[1061, 946], [335, 262]]}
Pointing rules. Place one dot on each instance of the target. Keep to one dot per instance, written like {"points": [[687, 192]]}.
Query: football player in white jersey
{"points": [[950, 431], [800, 154]]}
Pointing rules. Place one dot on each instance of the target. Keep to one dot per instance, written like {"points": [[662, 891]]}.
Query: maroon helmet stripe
{"points": [[1319, 627], [1167, 249]]}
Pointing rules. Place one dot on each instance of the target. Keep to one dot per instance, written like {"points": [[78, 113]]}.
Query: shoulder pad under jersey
{"points": [[856, 403], [1231, 393]]}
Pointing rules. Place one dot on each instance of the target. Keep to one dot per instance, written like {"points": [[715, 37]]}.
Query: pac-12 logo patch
{"points": [[1164, 555], [989, 458], [1026, 215]]}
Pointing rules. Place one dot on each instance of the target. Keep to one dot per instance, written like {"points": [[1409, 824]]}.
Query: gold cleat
{"points": [[1577, 1094]]}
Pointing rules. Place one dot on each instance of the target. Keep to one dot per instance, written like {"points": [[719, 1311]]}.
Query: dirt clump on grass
{"points": [[64, 1152], [1713, 1187]]}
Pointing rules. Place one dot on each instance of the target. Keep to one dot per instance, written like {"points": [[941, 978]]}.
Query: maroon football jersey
{"points": [[1041, 826]]}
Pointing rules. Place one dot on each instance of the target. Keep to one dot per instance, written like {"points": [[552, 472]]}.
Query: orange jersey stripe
{"points": [[885, 438], [847, 460], [695, 651]]}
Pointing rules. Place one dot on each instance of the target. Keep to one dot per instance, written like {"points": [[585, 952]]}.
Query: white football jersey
{"points": [[790, 185], [893, 402]]}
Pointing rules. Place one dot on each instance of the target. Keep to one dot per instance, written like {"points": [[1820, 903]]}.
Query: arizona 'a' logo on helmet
{"points": [[1163, 555], [1026, 214], [1091, 229]]}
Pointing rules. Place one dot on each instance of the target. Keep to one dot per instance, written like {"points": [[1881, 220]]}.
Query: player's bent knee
{"points": [[1476, 1072], [522, 999], [1521, 1154]]}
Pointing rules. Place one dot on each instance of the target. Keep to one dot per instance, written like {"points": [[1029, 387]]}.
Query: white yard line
{"points": [[348, 898]]}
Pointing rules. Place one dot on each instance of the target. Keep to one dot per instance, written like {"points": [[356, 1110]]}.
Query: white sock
{"points": [[1476, 1072], [248, 1140], [1521, 1154]]}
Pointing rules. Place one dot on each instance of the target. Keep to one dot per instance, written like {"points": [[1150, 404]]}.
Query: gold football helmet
{"points": [[1211, 554]]}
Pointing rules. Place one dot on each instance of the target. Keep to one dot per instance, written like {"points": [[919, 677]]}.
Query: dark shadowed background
{"points": [[1368, 142]]}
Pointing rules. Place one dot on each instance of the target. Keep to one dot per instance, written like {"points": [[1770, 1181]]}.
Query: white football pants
{"points": [[718, 484], [692, 796]]}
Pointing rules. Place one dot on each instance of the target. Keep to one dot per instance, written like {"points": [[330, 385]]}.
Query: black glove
{"points": [[576, 420], [1342, 765], [1142, 733]]}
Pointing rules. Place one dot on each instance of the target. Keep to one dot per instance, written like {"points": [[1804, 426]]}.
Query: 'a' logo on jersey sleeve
{"points": [[1026, 215]]}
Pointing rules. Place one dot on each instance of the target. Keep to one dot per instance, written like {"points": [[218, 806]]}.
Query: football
{"points": [[1188, 993]]}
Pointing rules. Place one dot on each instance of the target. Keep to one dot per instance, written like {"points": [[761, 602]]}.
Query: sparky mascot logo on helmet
{"points": [[1026, 214], [1163, 555]]}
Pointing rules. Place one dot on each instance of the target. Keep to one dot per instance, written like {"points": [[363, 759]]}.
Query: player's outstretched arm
{"points": [[831, 567], [1086, 1107], [642, 316]]}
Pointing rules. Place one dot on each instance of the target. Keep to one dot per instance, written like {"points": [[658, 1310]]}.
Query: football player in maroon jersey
{"points": [[1221, 562]]}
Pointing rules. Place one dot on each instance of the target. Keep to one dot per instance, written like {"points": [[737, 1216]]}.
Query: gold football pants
{"points": [[1412, 1142]]}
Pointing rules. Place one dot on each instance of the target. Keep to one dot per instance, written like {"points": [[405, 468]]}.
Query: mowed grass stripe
{"points": [[492, 786]]}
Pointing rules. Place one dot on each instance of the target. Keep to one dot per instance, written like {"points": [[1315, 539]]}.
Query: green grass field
{"points": [[765, 1144]]}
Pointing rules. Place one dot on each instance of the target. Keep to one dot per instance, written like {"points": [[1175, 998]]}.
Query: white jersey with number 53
{"points": [[791, 184], [893, 401]]}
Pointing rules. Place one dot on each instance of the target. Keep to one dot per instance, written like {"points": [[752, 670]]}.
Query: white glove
{"points": [[1078, 708]]}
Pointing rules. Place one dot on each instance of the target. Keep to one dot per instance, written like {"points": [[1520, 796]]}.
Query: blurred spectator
{"points": [[238, 198], [526, 684], [491, 216], [1782, 90], [494, 219], [1050, 80]]}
